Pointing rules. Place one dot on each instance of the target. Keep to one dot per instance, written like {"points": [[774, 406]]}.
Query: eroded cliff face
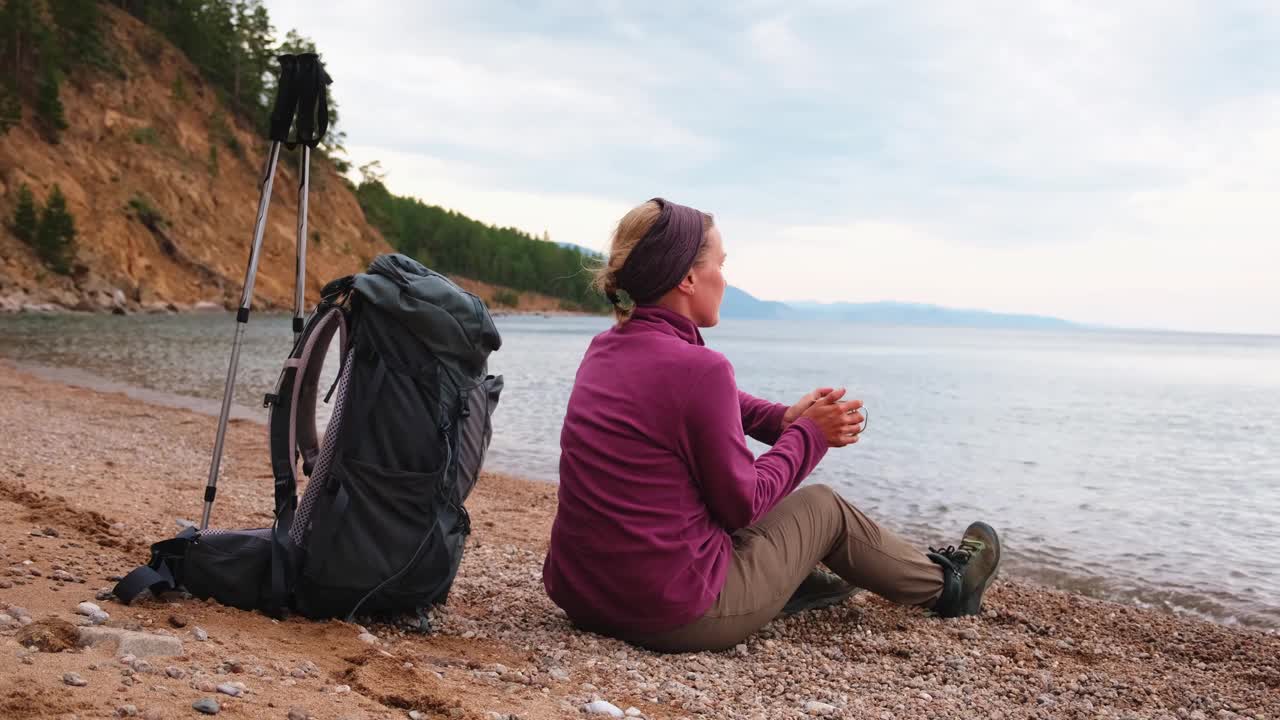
{"points": [[156, 136]]}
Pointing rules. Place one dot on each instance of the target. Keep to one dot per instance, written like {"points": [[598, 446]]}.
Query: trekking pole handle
{"points": [[301, 96], [286, 101], [313, 100]]}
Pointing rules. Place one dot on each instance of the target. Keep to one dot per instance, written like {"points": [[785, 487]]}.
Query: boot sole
{"points": [[818, 602], [973, 605]]}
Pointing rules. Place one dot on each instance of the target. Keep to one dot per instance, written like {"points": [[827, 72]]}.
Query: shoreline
{"points": [[11, 307], [1096, 586], [109, 474]]}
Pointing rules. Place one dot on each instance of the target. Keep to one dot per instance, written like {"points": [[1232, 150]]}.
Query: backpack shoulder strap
{"points": [[292, 419], [291, 426], [306, 389]]}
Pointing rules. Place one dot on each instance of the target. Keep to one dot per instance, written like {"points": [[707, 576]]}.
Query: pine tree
{"points": [[80, 32], [48, 105], [24, 216], [19, 27], [56, 234], [10, 108], [254, 57]]}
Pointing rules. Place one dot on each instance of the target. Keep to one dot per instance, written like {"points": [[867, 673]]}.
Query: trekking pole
{"points": [[313, 122], [300, 261], [286, 103]]}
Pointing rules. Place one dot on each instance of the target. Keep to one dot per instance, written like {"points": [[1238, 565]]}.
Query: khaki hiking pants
{"points": [[771, 558]]}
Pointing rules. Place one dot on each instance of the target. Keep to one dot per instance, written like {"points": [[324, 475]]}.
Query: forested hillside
{"points": [[131, 146], [456, 244]]}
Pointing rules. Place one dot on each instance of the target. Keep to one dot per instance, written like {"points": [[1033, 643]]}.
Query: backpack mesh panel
{"points": [[302, 521], [264, 533]]}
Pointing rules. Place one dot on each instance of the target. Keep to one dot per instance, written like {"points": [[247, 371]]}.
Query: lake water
{"points": [[1142, 467]]}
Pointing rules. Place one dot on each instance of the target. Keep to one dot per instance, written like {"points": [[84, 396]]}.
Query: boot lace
{"points": [[963, 554]]}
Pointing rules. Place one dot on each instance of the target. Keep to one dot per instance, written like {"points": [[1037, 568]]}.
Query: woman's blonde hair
{"points": [[630, 231]]}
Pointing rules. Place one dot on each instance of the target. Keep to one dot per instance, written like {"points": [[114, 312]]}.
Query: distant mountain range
{"points": [[739, 304]]}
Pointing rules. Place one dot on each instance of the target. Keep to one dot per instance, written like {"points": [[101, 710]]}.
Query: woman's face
{"points": [[708, 282]]}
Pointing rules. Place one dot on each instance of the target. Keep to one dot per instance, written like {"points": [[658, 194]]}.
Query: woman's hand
{"points": [[795, 411], [840, 422]]}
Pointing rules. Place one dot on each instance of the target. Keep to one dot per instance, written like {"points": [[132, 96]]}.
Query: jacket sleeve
{"points": [[737, 487], [761, 419]]}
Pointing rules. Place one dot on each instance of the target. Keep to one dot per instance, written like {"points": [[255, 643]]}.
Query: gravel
{"points": [[1035, 652]]}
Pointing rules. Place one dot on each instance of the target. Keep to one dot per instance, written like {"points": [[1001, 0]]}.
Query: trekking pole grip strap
{"points": [[286, 102], [313, 100], [301, 94]]}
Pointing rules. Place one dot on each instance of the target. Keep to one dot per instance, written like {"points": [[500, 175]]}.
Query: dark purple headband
{"points": [[663, 256]]}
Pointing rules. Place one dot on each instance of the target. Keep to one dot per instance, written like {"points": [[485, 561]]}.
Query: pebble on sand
{"points": [[87, 608], [129, 642], [821, 709], [74, 679], [208, 706], [602, 707]]}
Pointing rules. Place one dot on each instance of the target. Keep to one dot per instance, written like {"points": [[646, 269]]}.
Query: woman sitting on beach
{"points": [[669, 534]]}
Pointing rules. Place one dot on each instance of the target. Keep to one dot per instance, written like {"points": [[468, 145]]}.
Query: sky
{"points": [[1108, 163]]}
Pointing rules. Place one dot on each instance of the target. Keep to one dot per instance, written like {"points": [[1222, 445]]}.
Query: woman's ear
{"points": [[686, 285]]}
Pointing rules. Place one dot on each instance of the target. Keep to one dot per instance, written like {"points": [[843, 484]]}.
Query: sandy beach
{"points": [[88, 480]]}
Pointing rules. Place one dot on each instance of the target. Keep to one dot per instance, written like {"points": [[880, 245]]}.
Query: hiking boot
{"points": [[967, 570], [819, 590]]}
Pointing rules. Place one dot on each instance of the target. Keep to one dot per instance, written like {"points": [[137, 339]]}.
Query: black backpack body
{"points": [[381, 524]]}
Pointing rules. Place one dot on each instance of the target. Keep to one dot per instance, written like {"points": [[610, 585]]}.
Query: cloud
{"points": [[1215, 275], [1099, 162], [783, 53]]}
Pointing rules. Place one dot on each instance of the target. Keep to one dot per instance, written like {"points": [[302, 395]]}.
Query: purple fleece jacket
{"points": [[655, 474]]}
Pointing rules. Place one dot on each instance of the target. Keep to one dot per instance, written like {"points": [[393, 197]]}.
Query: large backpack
{"points": [[381, 523]]}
